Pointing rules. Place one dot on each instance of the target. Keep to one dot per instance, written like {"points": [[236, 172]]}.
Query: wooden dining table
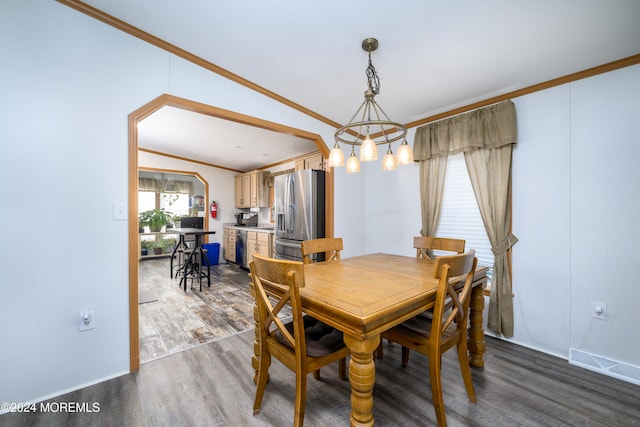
{"points": [[365, 295]]}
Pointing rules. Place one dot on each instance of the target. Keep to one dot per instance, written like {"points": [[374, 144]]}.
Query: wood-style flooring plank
{"points": [[212, 384]]}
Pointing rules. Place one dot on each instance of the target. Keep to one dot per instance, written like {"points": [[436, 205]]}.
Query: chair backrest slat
{"points": [[425, 245], [330, 245]]}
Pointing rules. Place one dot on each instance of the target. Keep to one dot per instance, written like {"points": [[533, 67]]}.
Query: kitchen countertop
{"points": [[261, 228]]}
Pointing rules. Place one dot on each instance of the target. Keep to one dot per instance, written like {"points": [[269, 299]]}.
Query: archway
{"points": [[133, 120]]}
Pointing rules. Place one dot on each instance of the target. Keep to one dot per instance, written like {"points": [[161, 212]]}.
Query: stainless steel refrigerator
{"points": [[299, 209]]}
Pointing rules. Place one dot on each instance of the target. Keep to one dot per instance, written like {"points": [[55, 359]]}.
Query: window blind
{"points": [[459, 215]]}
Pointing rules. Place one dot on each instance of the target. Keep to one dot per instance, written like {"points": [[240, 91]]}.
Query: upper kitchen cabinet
{"points": [[242, 191], [314, 161], [252, 190]]}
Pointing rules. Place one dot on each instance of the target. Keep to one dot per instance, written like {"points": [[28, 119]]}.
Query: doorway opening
{"points": [[133, 120], [161, 306]]}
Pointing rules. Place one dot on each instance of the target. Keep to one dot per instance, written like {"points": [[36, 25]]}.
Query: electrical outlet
{"points": [[87, 320], [599, 310]]}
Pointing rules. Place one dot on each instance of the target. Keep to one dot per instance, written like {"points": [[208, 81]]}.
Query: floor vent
{"points": [[605, 366]]}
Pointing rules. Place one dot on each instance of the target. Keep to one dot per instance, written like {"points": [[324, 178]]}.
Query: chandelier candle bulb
{"points": [[368, 150], [389, 161], [353, 164], [405, 153], [336, 157]]}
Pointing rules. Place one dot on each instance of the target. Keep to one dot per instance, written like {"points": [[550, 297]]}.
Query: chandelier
{"points": [[369, 127], [165, 184]]}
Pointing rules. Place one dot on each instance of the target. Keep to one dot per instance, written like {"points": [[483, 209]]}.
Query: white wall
{"points": [[69, 83], [541, 219], [605, 213], [392, 206], [576, 204]]}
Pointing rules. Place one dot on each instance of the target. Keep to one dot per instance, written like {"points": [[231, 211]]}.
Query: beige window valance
{"points": [[151, 184], [490, 127]]}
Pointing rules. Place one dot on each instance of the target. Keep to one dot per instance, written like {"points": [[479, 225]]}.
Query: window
{"points": [[146, 201], [173, 192], [176, 203], [459, 215]]}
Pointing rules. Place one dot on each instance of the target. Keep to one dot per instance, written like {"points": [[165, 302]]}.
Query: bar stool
{"points": [[192, 267], [182, 253]]}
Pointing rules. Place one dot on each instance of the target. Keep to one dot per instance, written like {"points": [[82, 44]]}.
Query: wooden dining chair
{"points": [[447, 328], [304, 344], [330, 245], [425, 245]]}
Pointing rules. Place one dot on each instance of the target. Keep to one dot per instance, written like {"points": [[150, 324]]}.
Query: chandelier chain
{"points": [[372, 77]]}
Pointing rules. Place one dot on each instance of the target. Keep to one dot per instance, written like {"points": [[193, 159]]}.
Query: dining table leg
{"points": [[362, 377], [476, 342]]}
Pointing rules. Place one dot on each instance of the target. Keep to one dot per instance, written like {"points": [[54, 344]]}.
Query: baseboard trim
{"points": [[603, 365], [69, 390]]}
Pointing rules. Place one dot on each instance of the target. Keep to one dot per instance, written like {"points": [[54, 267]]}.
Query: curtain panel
{"points": [[431, 188], [486, 137]]}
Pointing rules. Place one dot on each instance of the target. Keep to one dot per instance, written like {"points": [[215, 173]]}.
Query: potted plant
{"points": [[144, 247], [176, 220], [169, 243], [155, 219], [157, 246]]}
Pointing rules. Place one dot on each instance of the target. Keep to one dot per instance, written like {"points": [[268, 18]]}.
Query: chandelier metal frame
{"points": [[373, 121]]}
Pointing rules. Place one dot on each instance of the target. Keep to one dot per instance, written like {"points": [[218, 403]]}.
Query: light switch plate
{"points": [[119, 211]]}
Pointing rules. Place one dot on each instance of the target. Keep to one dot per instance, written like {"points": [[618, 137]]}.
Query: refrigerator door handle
{"points": [[286, 204], [292, 219], [290, 202]]}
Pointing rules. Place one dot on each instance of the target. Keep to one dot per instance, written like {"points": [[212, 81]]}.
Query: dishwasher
{"points": [[241, 248]]}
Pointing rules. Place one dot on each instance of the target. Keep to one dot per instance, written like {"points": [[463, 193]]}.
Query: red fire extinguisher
{"points": [[214, 209]]}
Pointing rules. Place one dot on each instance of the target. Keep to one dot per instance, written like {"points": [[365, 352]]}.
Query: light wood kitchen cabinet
{"points": [[229, 245], [239, 195], [314, 161], [299, 165], [252, 190], [260, 243]]}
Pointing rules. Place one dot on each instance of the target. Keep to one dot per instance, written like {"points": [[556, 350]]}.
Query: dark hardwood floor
{"points": [[212, 385]]}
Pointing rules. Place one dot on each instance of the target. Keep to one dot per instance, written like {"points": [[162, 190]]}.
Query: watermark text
{"points": [[50, 407]]}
